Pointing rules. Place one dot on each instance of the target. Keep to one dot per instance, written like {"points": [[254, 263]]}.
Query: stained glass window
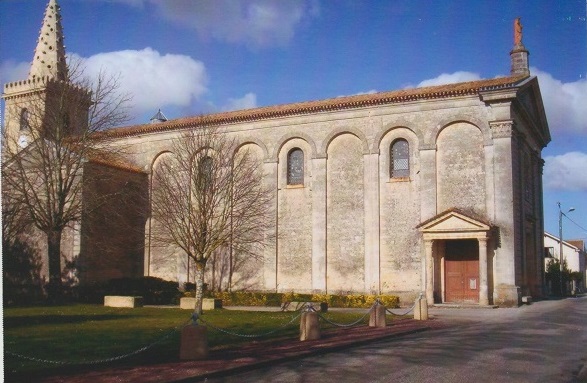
{"points": [[295, 167], [400, 159]]}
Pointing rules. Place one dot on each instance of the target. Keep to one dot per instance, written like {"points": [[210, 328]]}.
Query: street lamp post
{"points": [[560, 237]]}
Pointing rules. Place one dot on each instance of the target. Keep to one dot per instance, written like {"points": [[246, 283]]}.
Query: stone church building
{"points": [[435, 190]]}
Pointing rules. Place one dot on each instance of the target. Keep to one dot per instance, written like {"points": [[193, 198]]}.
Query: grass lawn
{"points": [[82, 335]]}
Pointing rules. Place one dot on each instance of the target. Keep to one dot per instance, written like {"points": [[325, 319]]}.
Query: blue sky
{"points": [[192, 57]]}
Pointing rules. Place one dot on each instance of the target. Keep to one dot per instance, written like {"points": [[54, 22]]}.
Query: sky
{"points": [[191, 57]]}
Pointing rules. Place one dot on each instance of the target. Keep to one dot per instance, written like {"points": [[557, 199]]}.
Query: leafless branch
{"points": [[208, 196]]}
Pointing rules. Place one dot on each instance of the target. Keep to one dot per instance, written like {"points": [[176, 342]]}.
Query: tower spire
{"points": [[49, 58]]}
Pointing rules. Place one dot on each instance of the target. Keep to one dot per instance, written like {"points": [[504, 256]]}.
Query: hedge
{"points": [[155, 291], [243, 298]]}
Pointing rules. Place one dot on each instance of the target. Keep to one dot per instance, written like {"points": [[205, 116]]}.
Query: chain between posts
{"points": [[250, 335], [99, 361], [353, 323], [406, 313], [194, 318]]}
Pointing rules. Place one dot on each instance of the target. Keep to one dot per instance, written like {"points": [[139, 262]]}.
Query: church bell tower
{"points": [[46, 103]]}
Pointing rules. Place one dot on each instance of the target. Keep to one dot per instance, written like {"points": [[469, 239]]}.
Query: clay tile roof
{"points": [[578, 243], [112, 160], [339, 103]]}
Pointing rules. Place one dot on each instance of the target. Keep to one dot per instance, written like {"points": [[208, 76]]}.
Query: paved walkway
{"points": [[249, 356]]}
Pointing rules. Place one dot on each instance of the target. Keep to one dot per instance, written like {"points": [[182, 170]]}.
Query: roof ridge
{"points": [[305, 107]]}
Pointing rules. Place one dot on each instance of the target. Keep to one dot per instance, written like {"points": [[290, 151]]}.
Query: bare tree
{"points": [[43, 164], [208, 197], [229, 269]]}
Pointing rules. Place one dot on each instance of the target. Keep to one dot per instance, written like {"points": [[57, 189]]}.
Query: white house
{"points": [[573, 253]]}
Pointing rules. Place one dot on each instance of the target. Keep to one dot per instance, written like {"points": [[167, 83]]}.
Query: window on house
{"points": [[399, 159], [295, 167], [549, 252]]}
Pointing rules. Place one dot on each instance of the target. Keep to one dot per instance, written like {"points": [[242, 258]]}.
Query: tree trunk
{"points": [[54, 288], [199, 274]]}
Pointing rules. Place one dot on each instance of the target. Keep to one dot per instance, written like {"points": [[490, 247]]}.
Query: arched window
{"points": [[24, 119], [399, 159], [65, 122], [295, 167], [205, 169]]}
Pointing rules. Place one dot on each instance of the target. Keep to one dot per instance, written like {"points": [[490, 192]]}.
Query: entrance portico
{"points": [[455, 258]]}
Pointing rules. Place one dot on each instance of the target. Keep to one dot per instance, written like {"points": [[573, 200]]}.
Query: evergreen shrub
{"points": [[246, 298], [155, 291]]}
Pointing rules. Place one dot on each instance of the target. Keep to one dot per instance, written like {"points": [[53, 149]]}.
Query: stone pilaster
{"points": [[427, 183], [371, 179], [429, 246], [503, 213], [270, 251], [483, 275], [319, 224]]}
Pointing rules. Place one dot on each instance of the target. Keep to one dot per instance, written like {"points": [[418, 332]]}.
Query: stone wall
{"points": [[350, 227], [461, 169], [113, 221], [345, 215], [399, 214], [294, 223]]}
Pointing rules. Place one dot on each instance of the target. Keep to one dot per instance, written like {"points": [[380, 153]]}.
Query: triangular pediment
{"points": [[453, 221]]}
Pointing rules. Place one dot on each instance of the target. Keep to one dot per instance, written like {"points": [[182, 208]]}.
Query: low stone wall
{"points": [[187, 303], [123, 301]]}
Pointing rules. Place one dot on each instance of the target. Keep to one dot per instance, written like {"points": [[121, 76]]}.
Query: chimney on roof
{"points": [[519, 54]]}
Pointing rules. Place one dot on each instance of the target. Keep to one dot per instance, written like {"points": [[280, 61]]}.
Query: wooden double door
{"points": [[461, 271]]}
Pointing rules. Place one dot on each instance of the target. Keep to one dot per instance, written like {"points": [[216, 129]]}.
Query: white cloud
{"points": [[13, 71], [153, 80], [566, 172], [565, 103], [372, 91], [260, 23], [450, 78], [248, 101]]}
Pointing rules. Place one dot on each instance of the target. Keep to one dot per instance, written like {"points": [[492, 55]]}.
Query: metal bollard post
{"points": [[309, 326]]}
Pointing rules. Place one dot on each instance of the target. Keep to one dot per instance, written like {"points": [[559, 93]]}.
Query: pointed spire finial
{"points": [[49, 58]]}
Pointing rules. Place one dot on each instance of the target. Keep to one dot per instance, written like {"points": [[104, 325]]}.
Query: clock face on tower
{"points": [[23, 140]]}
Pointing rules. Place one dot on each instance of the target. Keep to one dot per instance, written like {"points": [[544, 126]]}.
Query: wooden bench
{"points": [[123, 301]]}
